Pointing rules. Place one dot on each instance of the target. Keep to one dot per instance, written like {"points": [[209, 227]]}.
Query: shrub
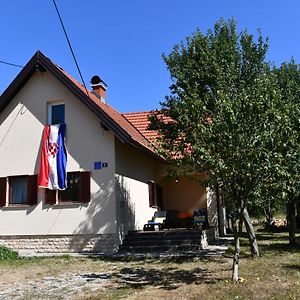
{"points": [[7, 254]]}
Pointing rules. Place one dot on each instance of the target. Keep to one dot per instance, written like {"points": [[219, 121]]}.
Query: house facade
{"points": [[111, 164]]}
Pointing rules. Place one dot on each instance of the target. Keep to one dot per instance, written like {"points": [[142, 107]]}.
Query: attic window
{"points": [[56, 113]]}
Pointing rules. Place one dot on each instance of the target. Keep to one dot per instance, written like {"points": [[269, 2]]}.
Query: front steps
{"points": [[169, 242]]}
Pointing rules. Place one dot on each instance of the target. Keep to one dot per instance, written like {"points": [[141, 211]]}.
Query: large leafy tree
{"points": [[223, 114], [288, 76]]}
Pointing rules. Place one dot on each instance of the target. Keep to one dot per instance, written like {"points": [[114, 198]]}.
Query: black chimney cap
{"points": [[95, 80]]}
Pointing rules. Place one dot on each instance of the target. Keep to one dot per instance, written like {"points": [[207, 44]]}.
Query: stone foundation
{"points": [[59, 244]]}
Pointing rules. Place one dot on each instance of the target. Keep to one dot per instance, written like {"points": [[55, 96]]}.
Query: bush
{"points": [[7, 254]]}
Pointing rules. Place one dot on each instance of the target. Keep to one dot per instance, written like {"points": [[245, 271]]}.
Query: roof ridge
{"points": [[139, 112], [110, 117]]}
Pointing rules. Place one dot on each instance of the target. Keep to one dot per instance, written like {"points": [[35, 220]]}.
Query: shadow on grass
{"points": [[268, 242], [271, 237], [280, 248], [156, 259], [292, 267], [166, 278]]}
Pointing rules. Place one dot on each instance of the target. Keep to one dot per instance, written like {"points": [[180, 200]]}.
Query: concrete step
{"points": [[146, 234], [163, 242], [155, 249], [163, 236], [159, 239], [169, 242]]}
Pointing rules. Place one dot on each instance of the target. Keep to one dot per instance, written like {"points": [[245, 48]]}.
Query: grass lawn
{"points": [[275, 275]]}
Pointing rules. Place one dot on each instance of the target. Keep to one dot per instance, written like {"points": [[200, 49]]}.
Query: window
{"points": [[56, 113], [155, 195], [18, 190], [72, 192], [22, 190], [78, 190], [151, 187]]}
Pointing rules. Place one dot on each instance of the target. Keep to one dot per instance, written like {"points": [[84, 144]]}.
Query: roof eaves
{"points": [[152, 153], [105, 119], [18, 82]]}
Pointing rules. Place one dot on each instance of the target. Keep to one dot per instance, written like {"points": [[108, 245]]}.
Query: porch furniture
{"points": [[156, 221], [176, 219], [199, 220]]}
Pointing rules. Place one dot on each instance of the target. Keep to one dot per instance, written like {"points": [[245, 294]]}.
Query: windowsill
{"points": [[69, 204], [13, 206]]}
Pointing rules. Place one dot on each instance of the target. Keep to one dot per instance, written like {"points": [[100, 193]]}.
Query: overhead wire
{"points": [[10, 64], [70, 46]]}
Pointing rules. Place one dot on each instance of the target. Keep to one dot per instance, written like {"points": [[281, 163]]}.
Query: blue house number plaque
{"points": [[98, 165]]}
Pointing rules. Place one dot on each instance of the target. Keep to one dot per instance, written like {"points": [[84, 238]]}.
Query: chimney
{"points": [[99, 87]]}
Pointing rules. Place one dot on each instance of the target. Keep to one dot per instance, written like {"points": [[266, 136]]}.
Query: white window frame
{"points": [[49, 110]]}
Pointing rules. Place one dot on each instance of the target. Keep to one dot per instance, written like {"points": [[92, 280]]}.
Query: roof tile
{"points": [[140, 137]]}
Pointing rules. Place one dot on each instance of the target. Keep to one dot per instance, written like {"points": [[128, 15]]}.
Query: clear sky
{"points": [[123, 40]]}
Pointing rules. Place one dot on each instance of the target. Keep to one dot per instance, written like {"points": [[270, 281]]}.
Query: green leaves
{"points": [[230, 113]]}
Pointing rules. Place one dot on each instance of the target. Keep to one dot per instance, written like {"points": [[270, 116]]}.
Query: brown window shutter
{"points": [[50, 196], [85, 186], [151, 187], [158, 198], [3, 181], [32, 189]]}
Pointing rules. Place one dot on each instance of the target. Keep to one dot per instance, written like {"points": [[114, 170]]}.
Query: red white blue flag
{"points": [[53, 172]]}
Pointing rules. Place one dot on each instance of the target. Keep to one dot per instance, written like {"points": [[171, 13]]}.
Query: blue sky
{"points": [[123, 41]]}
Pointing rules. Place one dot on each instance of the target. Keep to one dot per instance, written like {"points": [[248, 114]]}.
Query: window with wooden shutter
{"points": [[32, 190], [3, 181], [22, 190], [72, 192], [78, 190], [18, 188], [85, 187]]}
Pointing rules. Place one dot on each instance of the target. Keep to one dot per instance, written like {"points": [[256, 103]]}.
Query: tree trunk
{"points": [[235, 266], [241, 221], [291, 219], [251, 233], [269, 215], [298, 213]]}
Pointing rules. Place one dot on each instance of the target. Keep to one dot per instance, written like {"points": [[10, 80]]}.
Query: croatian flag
{"points": [[53, 173]]}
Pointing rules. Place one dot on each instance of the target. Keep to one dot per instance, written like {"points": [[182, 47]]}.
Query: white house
{"points": [[111, 164]]}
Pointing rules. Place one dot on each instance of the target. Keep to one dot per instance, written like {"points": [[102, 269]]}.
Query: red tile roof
{"points": [[140, 121], [117, 117]]}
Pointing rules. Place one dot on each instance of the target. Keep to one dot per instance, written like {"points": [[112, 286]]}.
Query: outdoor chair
{"points": [[200, 220], [156, 221]]}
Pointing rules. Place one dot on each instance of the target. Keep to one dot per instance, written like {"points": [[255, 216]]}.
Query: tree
{"points": [[268, 200], [223, 115], [288, 77]]}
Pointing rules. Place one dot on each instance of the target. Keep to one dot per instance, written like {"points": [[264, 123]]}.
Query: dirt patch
{"points": [[58, 287]]}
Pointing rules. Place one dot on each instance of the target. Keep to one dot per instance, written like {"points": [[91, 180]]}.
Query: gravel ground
{"points": [[68, 286]]}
